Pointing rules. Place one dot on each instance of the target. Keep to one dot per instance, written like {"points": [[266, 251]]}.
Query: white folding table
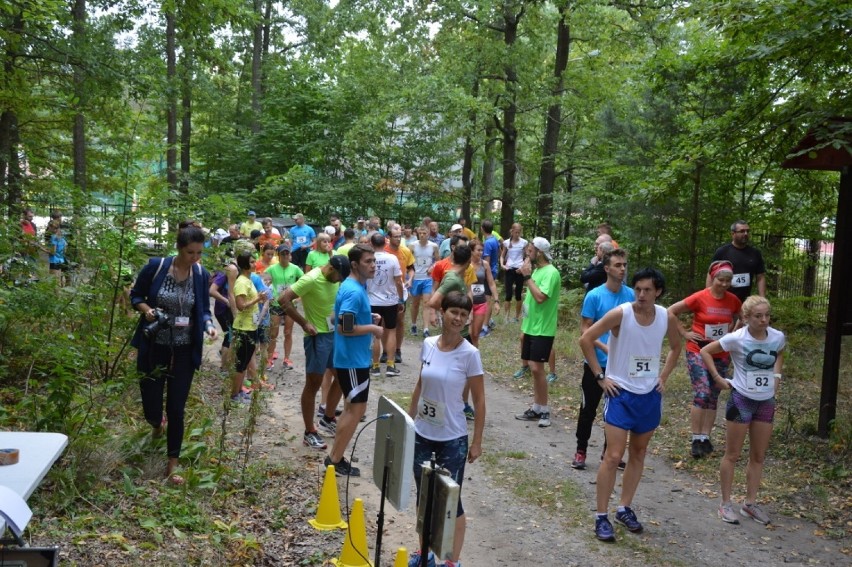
{"points": [[38, 452]]}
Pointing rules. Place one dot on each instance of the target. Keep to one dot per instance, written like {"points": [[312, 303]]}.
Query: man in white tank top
{"points": [[633, 387]]}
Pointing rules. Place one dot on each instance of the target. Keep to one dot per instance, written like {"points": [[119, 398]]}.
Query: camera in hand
{"points": [[161, 321]]}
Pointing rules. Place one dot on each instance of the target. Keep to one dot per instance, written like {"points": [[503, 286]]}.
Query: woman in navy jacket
{"points": [[170, 353]]}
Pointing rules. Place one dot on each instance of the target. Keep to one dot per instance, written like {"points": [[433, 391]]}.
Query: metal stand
{"points": [[381, 515], [426, 541]]}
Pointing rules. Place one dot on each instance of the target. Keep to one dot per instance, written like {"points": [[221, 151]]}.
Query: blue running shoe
{"points": [[603, 529], [414, 559], [628, 520]]}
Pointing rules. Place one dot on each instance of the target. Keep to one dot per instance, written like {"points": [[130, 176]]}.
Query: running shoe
{"points": [[328, 427], [525, 370], [343, 467], [450, 563], [313, 440], [392, 371], [579, 461], [270, 366], [484, 332], [529, 415], [414, 330], [375, 371], [240, 399], [622, 465], [754, 512], [321, 411], [468, 412], [397, 357], [627, 518], [726, 512], [426, 333], [707, 447], [552, 377], [287, 364], [384, 358], [697, 449], [603, 529], [544, 420], [492, 324], [414, 560]]}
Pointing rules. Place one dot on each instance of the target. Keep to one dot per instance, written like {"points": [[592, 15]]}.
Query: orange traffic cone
{"points": [[401, 558], [355, 552], [328, 512]]}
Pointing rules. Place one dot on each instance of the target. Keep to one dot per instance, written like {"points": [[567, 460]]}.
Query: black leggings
{"points": [[245, 343], [592, 394], [515, 279], [226, 320], [173, 370]]}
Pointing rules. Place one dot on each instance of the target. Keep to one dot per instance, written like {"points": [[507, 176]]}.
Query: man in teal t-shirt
{"points": [[541, 308]]}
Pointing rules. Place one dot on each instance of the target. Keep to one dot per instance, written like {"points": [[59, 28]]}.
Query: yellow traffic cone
{"points": [[328, 512], [401, 558], [355, 552]]}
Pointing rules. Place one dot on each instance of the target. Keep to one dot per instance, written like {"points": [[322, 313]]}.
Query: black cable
{"points": [[349, 476]]}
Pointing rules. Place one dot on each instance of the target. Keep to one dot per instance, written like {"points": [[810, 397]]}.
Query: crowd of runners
{"points": [[355, 291]]}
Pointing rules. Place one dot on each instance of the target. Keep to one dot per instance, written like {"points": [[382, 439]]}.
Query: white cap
{"points": [[456, 227], [543, 246], [329, 230], [220, 234]]}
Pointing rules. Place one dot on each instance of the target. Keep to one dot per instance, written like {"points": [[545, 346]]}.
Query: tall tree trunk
{"points": [[78, 135], [489, 165], [566, 218], [10, 164], [186, 118], [256, 66], [510, 111], [171, 98], [693, 229], [547, 176], [467, 164]]}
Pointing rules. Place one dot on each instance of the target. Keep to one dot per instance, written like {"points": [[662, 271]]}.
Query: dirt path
{"points": [[678, 511]]}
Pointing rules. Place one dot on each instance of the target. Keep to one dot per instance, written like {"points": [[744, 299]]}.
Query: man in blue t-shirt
{"points": [[491, 254], [596, 304], [301, 238], [352, 351]]}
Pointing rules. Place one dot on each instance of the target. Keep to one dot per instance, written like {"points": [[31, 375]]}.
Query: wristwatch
{"points": [[600, 377]]}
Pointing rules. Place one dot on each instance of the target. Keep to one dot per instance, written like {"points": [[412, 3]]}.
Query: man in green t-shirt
{"points": [[317, 290], [541, 308], [284, 274], [453, 280]]}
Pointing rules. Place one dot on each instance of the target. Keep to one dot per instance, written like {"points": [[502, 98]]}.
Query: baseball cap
{"points": [[252, 214], [329, 230], [283, 248], [341, 264], [361, 219], [456, 227], [220, 234], [543, 246]]}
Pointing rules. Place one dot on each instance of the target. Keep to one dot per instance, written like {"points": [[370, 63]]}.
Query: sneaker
{"points": [[392, 371], [414, 560], [468, 412], [328, 427], [492, 324], [697, 449], [384, 358], [579, 461], [414, 330], [622, 465], [321, 411], [287, 364], [627, 518], [270, 366], [484, 332], [397, 357], [754, 512], [521, 373], [375, 371], [544, 420], [726, 512], [552, 377], [603, 529], [426, 333], [313, 440], [343, 467], [707, 447], [240, 399], [529, 415], [451, 563]]}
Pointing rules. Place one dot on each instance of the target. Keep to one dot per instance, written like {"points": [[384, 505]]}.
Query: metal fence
{"points": [[798, 268]]}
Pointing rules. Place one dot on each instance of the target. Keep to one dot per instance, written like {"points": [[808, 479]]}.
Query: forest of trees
{"points": [[666, 119]]}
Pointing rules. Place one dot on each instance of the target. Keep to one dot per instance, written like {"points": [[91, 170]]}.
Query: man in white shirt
{"points": [[387, 300]]}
